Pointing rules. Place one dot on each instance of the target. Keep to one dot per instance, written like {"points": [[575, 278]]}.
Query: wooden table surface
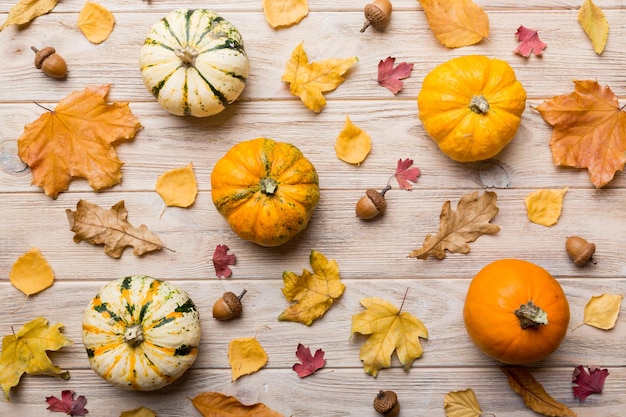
{"points": [[372, 257]]}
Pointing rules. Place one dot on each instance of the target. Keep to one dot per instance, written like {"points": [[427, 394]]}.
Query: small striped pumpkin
{"points": [[141, 333], [193, 61]]}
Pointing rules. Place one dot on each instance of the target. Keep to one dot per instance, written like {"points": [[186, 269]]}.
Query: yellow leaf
{"points": [[215, 404], [96, 22], [595, 25], [139, 412], [461, 404], [26, 10], [25, 352], [246, 356], [456, 23], [602, 311], [353, 143], [313, 292], [309, 80], [284, 13], [544, 206], [390, 330], [178, 187], [31, 273]]}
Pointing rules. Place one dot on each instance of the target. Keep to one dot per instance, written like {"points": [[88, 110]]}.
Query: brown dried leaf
{"points": [[215, 404]]}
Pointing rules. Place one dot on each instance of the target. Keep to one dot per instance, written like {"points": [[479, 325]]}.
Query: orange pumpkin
{"points": [[516, 312]]}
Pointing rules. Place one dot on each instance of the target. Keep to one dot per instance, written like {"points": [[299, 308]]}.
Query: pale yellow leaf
{"points": [[353, 143], [26, 10], [461, 404], [139, 412], [456, 23], [246, 356], [178, 187], [31, 273], [96, 22], [602, 310], [595, 25], [544, 206], [284, 13]]}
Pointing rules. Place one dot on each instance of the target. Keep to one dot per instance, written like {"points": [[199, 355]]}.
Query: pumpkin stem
{"points": [[530, 315], [187, 55], [479, 104], [134, 335], [268, 185]]}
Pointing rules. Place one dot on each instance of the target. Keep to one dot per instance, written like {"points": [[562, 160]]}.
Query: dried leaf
{"points": [[139, 412], [96, 22], [222, 260], [458, 228], [353, 143], [461, 404], [390, 330], [178, 187], [246, 356], [544, 206], [75, 140], [594, 23], [31, 273], [313, 292], [26, 10], [24, 351], [214, 404], [456, 23], [534, 395], [602, 310], [589, 130], [390, 77], [310, 363], [309, 80], [588, 383], [67, 404], [284, 13], [529, 42], [404, 173], [98, 226]]}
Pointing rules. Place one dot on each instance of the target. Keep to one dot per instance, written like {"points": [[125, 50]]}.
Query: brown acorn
{"points": [[386, 403], [229, 306], [372, 203], [579, 250], [51, 63], [377, 14]]}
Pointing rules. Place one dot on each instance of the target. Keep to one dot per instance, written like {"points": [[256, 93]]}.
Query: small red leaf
{"points": [[310, 363], [389, 77], [530, 42], [404, 173], [67, 404], [588, 383], [222, 260]]}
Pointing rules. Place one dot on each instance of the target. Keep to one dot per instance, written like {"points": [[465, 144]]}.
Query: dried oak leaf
{"points": [[309, 80], [353, 143], [95, 22], [456, 23], [285, 13], [544, 206], [390, 329], [390, 77], [110, 228], [404, 173], [589, 130], [67, 404], [222, 261], [24, 351], [215, 404], [75, 140], [588, 383], [178, 187], [313, 293], [31, 273], [26, 10], [139, 412], [461, 404], [534, 395], [246, 356], [602, 311], [458, 228], [594, 23], [529, 42], [310, 363]]}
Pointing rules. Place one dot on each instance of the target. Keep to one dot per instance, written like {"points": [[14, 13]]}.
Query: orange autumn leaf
{"points": [[215, 404], [589, 130], [284, 13], [178, 187], [456, 23], [31, 273], [96, 22], [75, 140], [353, 143]]}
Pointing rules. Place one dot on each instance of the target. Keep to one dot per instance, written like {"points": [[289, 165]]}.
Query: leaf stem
{"points": [[43, 107], [403, 299]]}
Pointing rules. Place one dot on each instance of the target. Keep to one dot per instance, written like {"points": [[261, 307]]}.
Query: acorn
{"points": [[51, 63], [229, 306], [579, 250], [372, 203], [386, 403], [377, 14]]}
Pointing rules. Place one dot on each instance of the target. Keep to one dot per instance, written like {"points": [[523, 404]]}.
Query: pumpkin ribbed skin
{"points": [[141, 333], [266, 190], [493, 297], [471, 106], [193, 61]]}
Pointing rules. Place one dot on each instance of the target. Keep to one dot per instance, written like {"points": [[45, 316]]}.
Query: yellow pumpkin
{"points": [[471, 107], [266, 190]]}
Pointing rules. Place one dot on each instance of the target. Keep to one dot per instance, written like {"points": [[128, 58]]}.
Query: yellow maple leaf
{"points": [[215, 404], [461, 404], [313, 292], [31, 273], [390, 330], [544, 206], [246, 356], [456, 23], [594, 23], [96, 22], [284, 13], [26, 10], [178, 187], [25, 352], [309, 80], [353, 143], [602, 310]]}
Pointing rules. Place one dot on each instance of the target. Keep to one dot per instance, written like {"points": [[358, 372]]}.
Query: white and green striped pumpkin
{"points": [[193, 61], [141, 333]]}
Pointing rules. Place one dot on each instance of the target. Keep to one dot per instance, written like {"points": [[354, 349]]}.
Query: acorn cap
{"points": [[385, 401], [42, 54], [585, 255], [234, 303], [377, 199]]}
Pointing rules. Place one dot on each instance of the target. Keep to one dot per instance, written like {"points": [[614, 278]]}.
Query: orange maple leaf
{"points": [[589, 130], [75, 140]]}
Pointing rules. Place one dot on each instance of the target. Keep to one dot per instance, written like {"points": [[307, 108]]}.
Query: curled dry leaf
{"points": [[31, 273], [461, 404], [587, 383], [284, 13], [602, 310], [594, 23], [246, 356], [214, 404], [456, 23], [26, 10], [353, 143], [178, 187], [95, 22], [544, 206]]}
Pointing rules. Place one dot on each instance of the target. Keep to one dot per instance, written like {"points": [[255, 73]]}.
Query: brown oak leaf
{"points": [[457, 228], [213, 404], [110, 228], [589, 130], [75, 140], [588, 383]]}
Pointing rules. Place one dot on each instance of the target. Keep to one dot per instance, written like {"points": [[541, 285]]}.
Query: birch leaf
{"points": [[96, 22], [178, 187], [26, 10], [544, 206], [139, 412], [246, 356], [456, 23], [31, 273], [602, 311], [461, 404], [353, 143], [284, 13], [215, 404], [595, 25]]}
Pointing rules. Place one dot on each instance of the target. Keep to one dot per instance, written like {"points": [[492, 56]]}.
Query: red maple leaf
{"points": [[588, 383], [530, 42], [310, 363], [222, 260], [404, 173], [67, 404], [389, 77]]}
